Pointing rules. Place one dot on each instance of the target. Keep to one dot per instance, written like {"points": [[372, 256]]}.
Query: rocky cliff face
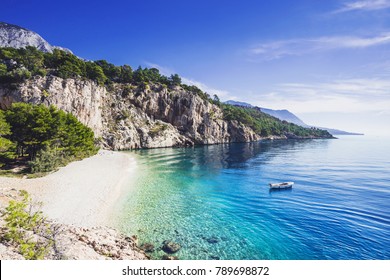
{"points": [[18, 37], [81, 98], [127, 116]]}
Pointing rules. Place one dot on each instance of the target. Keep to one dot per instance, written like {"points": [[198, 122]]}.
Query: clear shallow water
{"points": [[215, 200]]}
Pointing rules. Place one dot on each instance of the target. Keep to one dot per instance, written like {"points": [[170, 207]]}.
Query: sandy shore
{"points": [[83, 193]]}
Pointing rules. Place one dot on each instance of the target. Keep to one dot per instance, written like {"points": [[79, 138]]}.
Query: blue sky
{"points": [[326, 61]]}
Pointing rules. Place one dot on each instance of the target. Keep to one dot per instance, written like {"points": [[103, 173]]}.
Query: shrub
{"points": [[36, 127], [21, 218], [47, 159], [157, 128]]}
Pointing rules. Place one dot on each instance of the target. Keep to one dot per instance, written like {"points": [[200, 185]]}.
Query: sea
{"points": [[216, 203]]}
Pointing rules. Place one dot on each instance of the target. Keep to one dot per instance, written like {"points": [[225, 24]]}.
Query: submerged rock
{"points": [[170, 247], [212, 240], [170, 258], [147, 247]]}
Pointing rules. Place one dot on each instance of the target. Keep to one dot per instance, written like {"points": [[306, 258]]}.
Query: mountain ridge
{"points": [[129, 108], [286, 115], [14, 36]]}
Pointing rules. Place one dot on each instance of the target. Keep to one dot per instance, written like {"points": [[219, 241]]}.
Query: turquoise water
{"points": [[215, 200]]}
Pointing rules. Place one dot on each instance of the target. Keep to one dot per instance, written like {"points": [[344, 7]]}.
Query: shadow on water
{"points": [[225, 156], [271, 191]]}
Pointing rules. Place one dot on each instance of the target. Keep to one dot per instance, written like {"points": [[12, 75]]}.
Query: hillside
{"points": [[14, 36], [131, 109], [286, 115], [126, 108]]}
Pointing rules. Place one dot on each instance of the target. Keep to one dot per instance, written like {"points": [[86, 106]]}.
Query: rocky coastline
{"points": [[126, 116], [71, 242]]}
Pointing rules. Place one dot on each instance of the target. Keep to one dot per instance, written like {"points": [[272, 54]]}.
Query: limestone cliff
{"points": [[128, 116]]}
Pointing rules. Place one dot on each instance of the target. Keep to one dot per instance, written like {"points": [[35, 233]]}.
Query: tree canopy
{"points": [[266, 125], [17, 65], [38, 131], [4, 131]]}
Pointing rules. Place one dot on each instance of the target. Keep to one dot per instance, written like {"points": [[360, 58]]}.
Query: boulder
{"points": [[147, 247], [170, 258], [170, 247]]}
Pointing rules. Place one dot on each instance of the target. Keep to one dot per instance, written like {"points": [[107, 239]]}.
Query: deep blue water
{"points": [[215, 200]]}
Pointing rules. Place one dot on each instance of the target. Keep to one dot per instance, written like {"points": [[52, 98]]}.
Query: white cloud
{"points": [[278, 49], [163, 70], [365, 5], [352, 95], [222, 94]]}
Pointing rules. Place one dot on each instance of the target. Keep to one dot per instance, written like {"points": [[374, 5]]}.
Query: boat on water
{"points": [[284, 185]]}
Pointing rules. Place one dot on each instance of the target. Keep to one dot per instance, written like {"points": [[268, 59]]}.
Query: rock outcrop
{"points": [[75, 243], [128, 116], [14, 36], [68, 241]]}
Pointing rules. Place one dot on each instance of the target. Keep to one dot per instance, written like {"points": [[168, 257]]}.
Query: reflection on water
{"points": [[279, 190], [215, 200]]}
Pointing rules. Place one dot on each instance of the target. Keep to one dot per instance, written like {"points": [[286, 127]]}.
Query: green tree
{"points": [[74, 138], [3, 69], [175, 80], [112, 72], [5, 130], [216, 100], [95, 72], [126, 74], [139, 76], [32, 59], [35, 127], [32, 126]]}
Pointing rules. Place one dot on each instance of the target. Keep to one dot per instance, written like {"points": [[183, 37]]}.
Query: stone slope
{"points": [[128, 116], [14, 36], [70, 242]]}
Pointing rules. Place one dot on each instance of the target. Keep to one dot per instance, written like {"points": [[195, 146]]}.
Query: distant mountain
{"points": [[238, 103], [18, 37], [284, 115], [287, 116], [340, 132]]}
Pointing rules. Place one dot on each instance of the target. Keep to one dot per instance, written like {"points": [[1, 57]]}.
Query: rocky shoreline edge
{"points": [[70, 242]]}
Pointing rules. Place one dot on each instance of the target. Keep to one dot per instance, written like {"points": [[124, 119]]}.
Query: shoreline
{"points": [[83, 193], [80, 202]]}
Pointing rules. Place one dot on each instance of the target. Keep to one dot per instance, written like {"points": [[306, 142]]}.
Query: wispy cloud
{"points": [[350, 95], [278, 49], [163, 69], [222, 94], [363, 5]]}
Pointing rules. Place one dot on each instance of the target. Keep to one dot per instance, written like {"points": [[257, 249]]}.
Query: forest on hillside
{"points": [[18, 65]]}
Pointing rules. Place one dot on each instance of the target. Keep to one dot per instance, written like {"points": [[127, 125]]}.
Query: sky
{"points": [[326, 61]]}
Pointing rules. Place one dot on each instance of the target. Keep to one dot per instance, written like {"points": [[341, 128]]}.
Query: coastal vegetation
{"points": [[5, 144], [266, 125], [43, 137], [22, 219], [18, 65], [27, 233]]}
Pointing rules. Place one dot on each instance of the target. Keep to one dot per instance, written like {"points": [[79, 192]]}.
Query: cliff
{"points": [[125, 116]]}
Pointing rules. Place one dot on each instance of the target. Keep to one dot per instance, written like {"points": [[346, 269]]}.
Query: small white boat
{"points": [[284, 185]]}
